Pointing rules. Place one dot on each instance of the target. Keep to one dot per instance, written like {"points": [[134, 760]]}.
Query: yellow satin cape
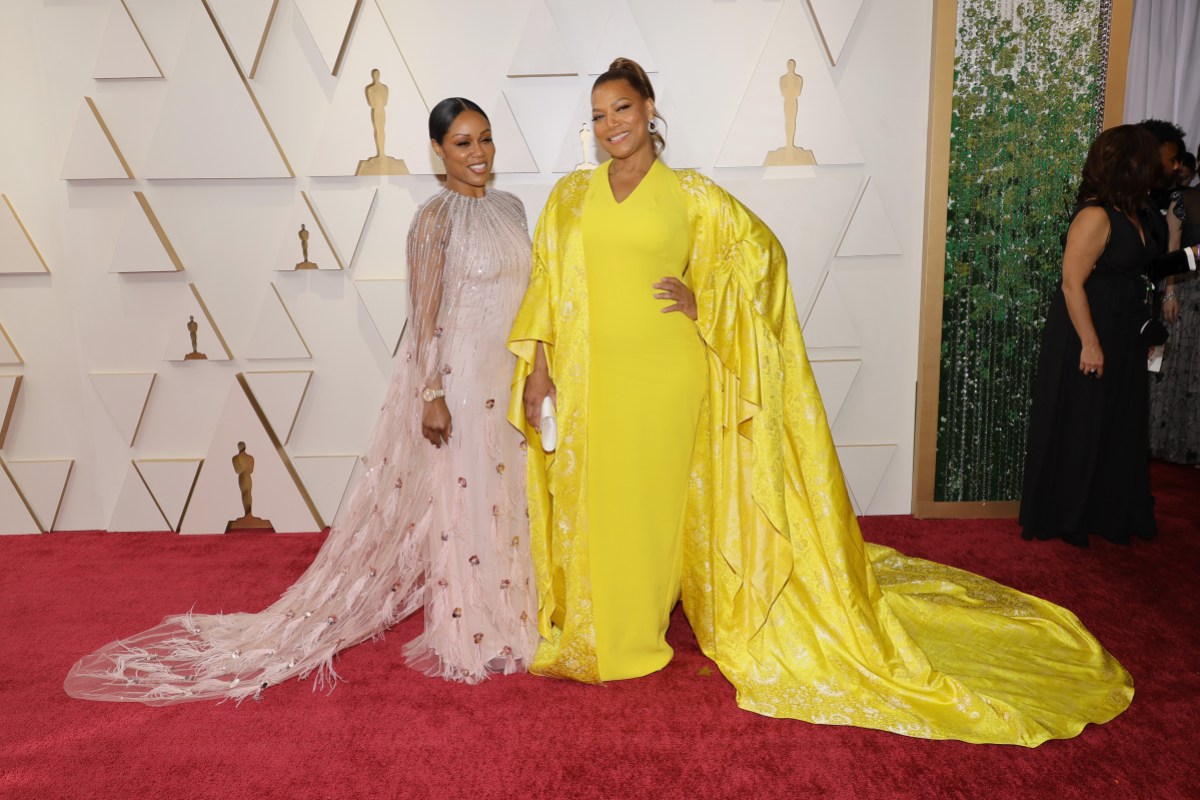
{"points": [[804, 618]]}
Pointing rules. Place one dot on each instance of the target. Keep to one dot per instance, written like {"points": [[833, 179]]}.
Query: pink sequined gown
{"points": [[444, 529]]}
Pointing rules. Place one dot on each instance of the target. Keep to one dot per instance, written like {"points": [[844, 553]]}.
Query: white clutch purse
{"points": [[549, 427]]}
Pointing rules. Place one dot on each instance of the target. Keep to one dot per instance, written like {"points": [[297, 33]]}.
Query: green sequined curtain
{"points": [[1028, 100]]}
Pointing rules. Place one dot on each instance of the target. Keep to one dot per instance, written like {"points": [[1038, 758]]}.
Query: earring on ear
{"points": [[652, 126]]}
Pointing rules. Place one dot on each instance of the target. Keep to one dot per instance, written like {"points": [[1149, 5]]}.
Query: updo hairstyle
{"points": [[626, 69]]}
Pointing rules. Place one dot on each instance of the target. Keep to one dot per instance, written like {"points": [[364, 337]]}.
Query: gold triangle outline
{"points": [[312, 209], [24, 500], [13, 210], [187, 501], [262, 43], [12, 345], [287, 462], [521, 132], [145, 400], [212, 16], [816, 20], [145, 44], [288, 313], [314, 205], [61, 494], [152, 218], [337, 62], [407, 67], [112, 142], [520, 38], [357, 281], [303, 393], [833, 417], [11, 406], [862, 510], [211, 322]]}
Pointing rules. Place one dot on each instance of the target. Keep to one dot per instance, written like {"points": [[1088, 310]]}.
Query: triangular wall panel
{"points": [[834, 380], [821, 123], [348, 136], [44, 485], [125, 396], [578, 144], [305, 230], [279, 396], [135, 509], [245, 25], [18, 253], [870, 232], [514, 156], [123, 50], [10, 390], [276, 492], [326, 478], [835, 19], [829, 323], [211, 125], [93, 153], [209, 340], [143, 245], [621, 36], [581, 26], [555, 145], [808, 215], [864, 466], [15, 516], [9, 355], [384, 298], [344, 214], [384, 242], [330, 23], [541, 49], [170, 482], [275, 333]]}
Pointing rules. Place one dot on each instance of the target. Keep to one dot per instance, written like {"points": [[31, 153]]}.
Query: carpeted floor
{"points": [[387, 732]]}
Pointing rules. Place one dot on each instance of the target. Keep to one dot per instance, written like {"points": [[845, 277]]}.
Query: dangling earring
{"points": [[652, 126]]}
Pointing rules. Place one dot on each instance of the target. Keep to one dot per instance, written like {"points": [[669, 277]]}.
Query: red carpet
{"points": [[387, 732]]}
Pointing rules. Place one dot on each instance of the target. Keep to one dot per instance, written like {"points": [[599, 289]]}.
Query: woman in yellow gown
{"points": [[695, 458]]}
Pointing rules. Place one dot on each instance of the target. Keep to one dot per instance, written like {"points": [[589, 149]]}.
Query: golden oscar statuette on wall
{"points": [[194, 328], [243, 465], [305, 264], [379, 164], [587, 141], [790, 86]]}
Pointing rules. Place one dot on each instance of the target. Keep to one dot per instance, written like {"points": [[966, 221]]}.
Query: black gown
{"points": [[1175, 389], [1086, 465]]}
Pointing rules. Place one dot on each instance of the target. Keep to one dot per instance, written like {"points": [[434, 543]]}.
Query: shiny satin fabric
{"points": [[804, 618]]}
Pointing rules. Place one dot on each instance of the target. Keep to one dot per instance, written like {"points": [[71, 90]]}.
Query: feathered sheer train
{"points": [[442, 528]]}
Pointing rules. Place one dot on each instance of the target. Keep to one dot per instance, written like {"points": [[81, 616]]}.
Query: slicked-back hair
{"points": [[444, 113]]}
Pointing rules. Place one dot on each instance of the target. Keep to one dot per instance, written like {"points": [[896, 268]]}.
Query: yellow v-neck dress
{"points": [[646, 382]]}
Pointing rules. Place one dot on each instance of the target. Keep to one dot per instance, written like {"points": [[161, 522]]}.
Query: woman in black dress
{"points": [[1175, 389], [1086, 465]]}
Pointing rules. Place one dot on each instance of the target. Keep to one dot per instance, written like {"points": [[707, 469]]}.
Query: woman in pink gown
{"points": [[438, 518]]}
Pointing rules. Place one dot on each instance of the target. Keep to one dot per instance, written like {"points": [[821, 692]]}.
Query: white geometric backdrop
{"points": [[160, 157]]}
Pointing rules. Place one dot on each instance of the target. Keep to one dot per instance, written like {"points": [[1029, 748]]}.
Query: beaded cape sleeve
{"points": [[426, 249]]}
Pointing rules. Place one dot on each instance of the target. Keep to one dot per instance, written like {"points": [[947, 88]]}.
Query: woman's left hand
{"points": [[670, 288]]}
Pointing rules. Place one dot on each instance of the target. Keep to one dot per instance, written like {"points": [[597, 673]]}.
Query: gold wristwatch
{"points": [[429, 395]]}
